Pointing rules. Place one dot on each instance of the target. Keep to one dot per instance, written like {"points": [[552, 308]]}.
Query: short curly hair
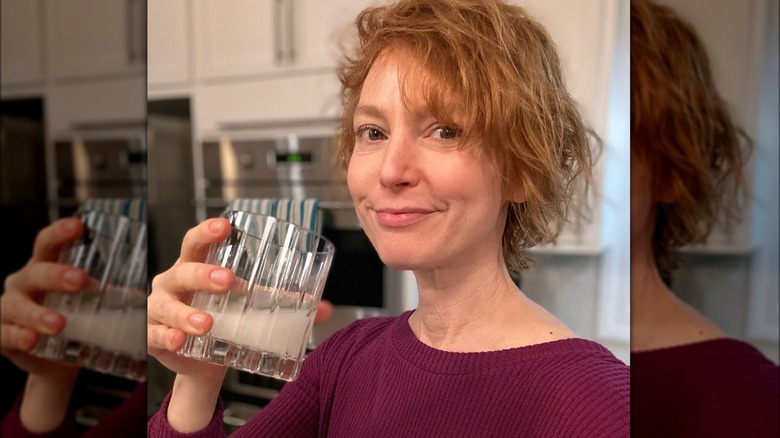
{"points": [[502, 68], [682, 131]]}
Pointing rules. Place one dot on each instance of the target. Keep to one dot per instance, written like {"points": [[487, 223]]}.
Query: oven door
{"points": [[98, 164]]}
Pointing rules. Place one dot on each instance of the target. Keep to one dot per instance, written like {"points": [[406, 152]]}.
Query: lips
{"points": [[399, 218]]}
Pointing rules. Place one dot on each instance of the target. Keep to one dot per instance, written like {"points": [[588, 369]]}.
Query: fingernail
{"points": [[220, 276], [72, 276], [197, 320], [51, 320], [216, 226]]}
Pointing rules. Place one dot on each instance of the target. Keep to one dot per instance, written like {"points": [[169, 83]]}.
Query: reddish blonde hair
{"points": [[498, 67], [682, 131]]}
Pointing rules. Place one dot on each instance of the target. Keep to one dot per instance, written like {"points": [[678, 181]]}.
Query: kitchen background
{"points": [[218, 81]]}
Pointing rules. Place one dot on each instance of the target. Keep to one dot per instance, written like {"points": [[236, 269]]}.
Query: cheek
{"points": [[358, 177]]}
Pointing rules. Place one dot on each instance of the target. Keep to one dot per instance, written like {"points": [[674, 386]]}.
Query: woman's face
{"points": [[424, 202]]}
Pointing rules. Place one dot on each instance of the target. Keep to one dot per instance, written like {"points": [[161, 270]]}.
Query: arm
{"points": [[191, 405], [49, 385], [293, 413], [45, 402]]}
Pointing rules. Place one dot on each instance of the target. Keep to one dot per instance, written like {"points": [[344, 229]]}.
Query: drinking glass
{"points": [[105, 328], [263, 323]]}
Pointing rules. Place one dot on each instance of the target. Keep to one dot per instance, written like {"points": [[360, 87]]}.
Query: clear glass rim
{"points": [[329, 247]]}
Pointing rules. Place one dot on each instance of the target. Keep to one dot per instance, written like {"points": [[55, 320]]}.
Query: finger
{"points": [[187, 277], [164, 338], [38, 276], [324, 311], [177, 315], [18, 310], [17, 338], [50, 240], [195, 245]]}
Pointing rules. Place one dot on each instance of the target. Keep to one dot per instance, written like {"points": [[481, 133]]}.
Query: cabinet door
{"points": [[274, 100], [88, 38], [21, 43], [74, 106], [313, 31], [169, 45], [236, 37]]}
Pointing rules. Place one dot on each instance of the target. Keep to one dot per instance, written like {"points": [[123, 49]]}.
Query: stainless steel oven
{"points": [[297, 163], [101, 160]]}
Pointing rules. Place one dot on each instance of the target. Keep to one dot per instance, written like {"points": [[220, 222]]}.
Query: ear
{"points": [[516, 195]]}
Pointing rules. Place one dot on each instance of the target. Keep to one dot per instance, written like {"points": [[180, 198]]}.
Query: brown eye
{"points": [[369, 134], [446, 133], [374, 134]]}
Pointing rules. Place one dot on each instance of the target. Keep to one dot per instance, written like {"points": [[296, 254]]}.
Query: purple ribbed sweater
{"points": [[376, 379], [717, 388], [125, 421]]}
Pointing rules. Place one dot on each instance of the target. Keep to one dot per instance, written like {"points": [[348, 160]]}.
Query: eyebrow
{"points": [[369, 110]]}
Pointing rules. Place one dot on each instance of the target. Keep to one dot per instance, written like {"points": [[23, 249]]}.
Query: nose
{"points": [[400, 168]]}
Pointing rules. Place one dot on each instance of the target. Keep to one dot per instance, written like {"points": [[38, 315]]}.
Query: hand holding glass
{"points": [[263, 324], [105, 322]]}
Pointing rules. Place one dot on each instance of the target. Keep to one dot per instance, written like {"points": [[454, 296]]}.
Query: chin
{"points": [[404, 262]]}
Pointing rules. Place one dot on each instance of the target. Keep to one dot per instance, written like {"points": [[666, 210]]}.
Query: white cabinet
{"points": [[278, 100], [95, 38], [236, 37], [93, 104], [169, 33], [22, 48], [240, 38], [318, 29]]}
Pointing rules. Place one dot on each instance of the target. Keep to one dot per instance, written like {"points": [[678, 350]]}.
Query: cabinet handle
{"points": [[277, 18], [129, 32], [142, 41], [291, 30]]}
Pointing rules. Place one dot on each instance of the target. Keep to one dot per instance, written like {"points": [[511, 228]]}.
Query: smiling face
{"points": [[424, 202]]}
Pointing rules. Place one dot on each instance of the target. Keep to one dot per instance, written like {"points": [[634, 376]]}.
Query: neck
{"points": [[476, 308], [646, 282], [658, 318]]}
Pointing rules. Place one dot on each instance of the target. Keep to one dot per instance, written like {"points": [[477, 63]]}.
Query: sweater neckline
{"points": [[715, 345], [414, 351]]}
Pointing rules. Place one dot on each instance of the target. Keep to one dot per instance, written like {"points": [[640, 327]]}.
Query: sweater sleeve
{"points": [[125, 421], [159, 427], [293, 413], [11, 426]]}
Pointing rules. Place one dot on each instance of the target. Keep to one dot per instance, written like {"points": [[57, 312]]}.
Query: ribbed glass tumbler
{"points": [[105, 328], [263, 324]]}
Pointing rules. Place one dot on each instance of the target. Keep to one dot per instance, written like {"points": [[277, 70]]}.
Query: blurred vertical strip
{"points": [[72, 127], [704, 212]]}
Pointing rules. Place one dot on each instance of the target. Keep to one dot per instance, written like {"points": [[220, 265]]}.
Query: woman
{"points": [[688, 378], [42, 409], [461, 146]]}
